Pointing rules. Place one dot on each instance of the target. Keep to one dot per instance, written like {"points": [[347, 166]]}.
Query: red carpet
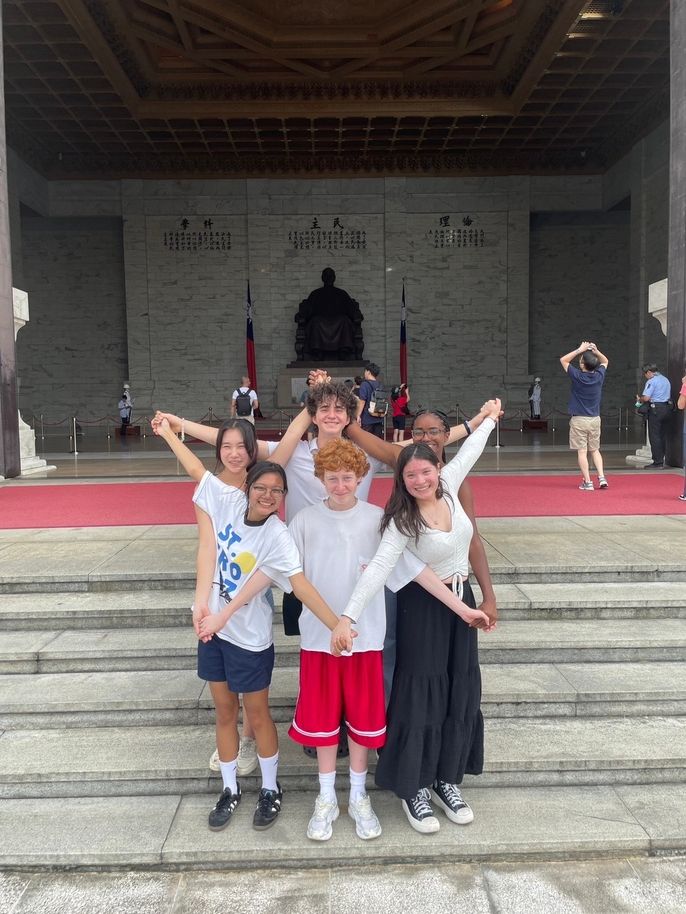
{"points": [[124, 504]]}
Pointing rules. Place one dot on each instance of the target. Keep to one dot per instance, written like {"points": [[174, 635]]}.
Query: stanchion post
{"points": [[497, 434], [75, 452], [457, 414], [619, 426], [42, 429]]}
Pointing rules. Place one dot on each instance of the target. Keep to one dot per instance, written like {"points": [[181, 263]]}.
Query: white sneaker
{"points": [[247, 756], [367, 825], [320, 827], [419, 813]]}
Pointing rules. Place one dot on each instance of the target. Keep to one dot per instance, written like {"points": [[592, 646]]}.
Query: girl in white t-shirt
{"points": [[347, 528], [243, 546]]}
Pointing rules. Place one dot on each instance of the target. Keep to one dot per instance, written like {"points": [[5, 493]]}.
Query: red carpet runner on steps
{"points": [[133, 503]]}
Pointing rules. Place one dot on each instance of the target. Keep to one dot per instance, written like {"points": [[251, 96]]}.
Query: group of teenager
{"points": [[343, 558]]}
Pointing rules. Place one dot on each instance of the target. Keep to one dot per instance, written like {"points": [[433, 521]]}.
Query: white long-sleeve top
{"points": [[446, 552]]}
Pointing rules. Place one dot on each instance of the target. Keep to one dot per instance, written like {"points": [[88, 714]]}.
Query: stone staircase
{"points": [[106, 729]]}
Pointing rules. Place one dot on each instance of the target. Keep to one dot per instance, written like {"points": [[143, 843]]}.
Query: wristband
{"points": [[467, 428]]}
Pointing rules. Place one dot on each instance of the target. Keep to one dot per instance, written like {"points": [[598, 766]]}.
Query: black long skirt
{"points": [[435, 728]]}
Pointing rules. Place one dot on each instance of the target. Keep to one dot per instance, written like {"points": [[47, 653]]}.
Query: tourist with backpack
{"points": [[244, 402], [374, 401]]}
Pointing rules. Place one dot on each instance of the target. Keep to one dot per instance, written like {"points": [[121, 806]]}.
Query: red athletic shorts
{"points": [[335, 688]]}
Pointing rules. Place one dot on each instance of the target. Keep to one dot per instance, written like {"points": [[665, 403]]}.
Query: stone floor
{"points": [[102, 456], [621, 886]]}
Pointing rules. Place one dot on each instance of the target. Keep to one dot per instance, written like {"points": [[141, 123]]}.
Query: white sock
{"points": [[228, 770], [269, 767], [358, 784], [327, 785]]}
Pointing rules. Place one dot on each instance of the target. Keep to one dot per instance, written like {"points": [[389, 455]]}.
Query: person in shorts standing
{"points": [[399, 402], [584, 409]]}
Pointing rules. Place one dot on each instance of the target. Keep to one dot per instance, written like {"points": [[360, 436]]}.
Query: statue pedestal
{"points": [[30, 463], [292, 380]]}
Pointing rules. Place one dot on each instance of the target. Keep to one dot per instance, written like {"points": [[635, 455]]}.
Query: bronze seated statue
{"points": [[329, 324]]}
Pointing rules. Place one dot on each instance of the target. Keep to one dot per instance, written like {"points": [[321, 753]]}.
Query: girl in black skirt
{"points": [[434, 727]]}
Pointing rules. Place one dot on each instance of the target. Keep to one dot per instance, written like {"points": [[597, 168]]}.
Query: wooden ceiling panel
{"points": [[151, 87]]}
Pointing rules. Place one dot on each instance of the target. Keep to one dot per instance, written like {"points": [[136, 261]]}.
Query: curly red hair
{"points": [[340, 454]]}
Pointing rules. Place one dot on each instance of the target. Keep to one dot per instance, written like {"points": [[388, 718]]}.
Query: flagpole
{"points": [[403, 338]]}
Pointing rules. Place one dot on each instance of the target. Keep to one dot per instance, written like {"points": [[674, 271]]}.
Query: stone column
{"points": [[9, 430], [27, 439], [676, 298]]}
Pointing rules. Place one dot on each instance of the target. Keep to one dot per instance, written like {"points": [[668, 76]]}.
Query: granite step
{"points": [[174, 648], [56, 609], [571, 823], [179, 698], [163, 760]]}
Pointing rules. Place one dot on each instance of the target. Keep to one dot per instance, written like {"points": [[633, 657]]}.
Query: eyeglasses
{"points": [[263, 490], [427, 432]]}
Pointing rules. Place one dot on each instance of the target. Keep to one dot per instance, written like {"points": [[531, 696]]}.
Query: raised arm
{"points": [[381, 450], [566, 360], [455, 471], [195, 429], [191, 463], [604, 361], [464, 429], [291, 437]]}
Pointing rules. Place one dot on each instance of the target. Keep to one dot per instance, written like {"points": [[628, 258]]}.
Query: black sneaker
{"points": [[226, 804], [450, 800], [268, 808], [419, 813]]}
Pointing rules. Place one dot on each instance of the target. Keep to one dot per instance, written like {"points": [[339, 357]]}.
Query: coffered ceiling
{"points": [[224, 87]]}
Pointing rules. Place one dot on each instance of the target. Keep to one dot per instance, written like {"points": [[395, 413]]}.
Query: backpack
{"points": [[378, 403], [243, 404]]}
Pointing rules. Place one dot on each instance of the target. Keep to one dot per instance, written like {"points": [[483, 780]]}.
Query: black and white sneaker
{"points": [[268, 808], [419, 813], [226, 804], [450, 800]]}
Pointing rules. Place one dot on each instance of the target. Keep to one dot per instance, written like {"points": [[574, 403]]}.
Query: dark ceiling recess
{"points": [[136, 88]]}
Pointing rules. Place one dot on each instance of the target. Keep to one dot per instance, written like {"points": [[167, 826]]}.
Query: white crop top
{"points": [[446, 553]]}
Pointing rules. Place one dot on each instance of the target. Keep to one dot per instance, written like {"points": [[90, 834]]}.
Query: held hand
{"points": [[489, 607], [342, 636], [199, 613], [318, 376], [174, 422], [584, 345], [492, 409], [474, 616], [210, 625]]}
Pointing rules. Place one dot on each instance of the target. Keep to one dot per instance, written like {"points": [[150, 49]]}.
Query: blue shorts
{"points": [[241, 670]]}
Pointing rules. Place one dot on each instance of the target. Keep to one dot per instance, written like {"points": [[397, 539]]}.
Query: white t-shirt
{"points": [[303, 486], [241, 548], [335, 547], [251, 393], [447, 553]]}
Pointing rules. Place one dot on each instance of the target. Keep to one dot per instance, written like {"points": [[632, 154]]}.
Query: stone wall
{"points": [[71, 355], [480, 316], [580, 290]]}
